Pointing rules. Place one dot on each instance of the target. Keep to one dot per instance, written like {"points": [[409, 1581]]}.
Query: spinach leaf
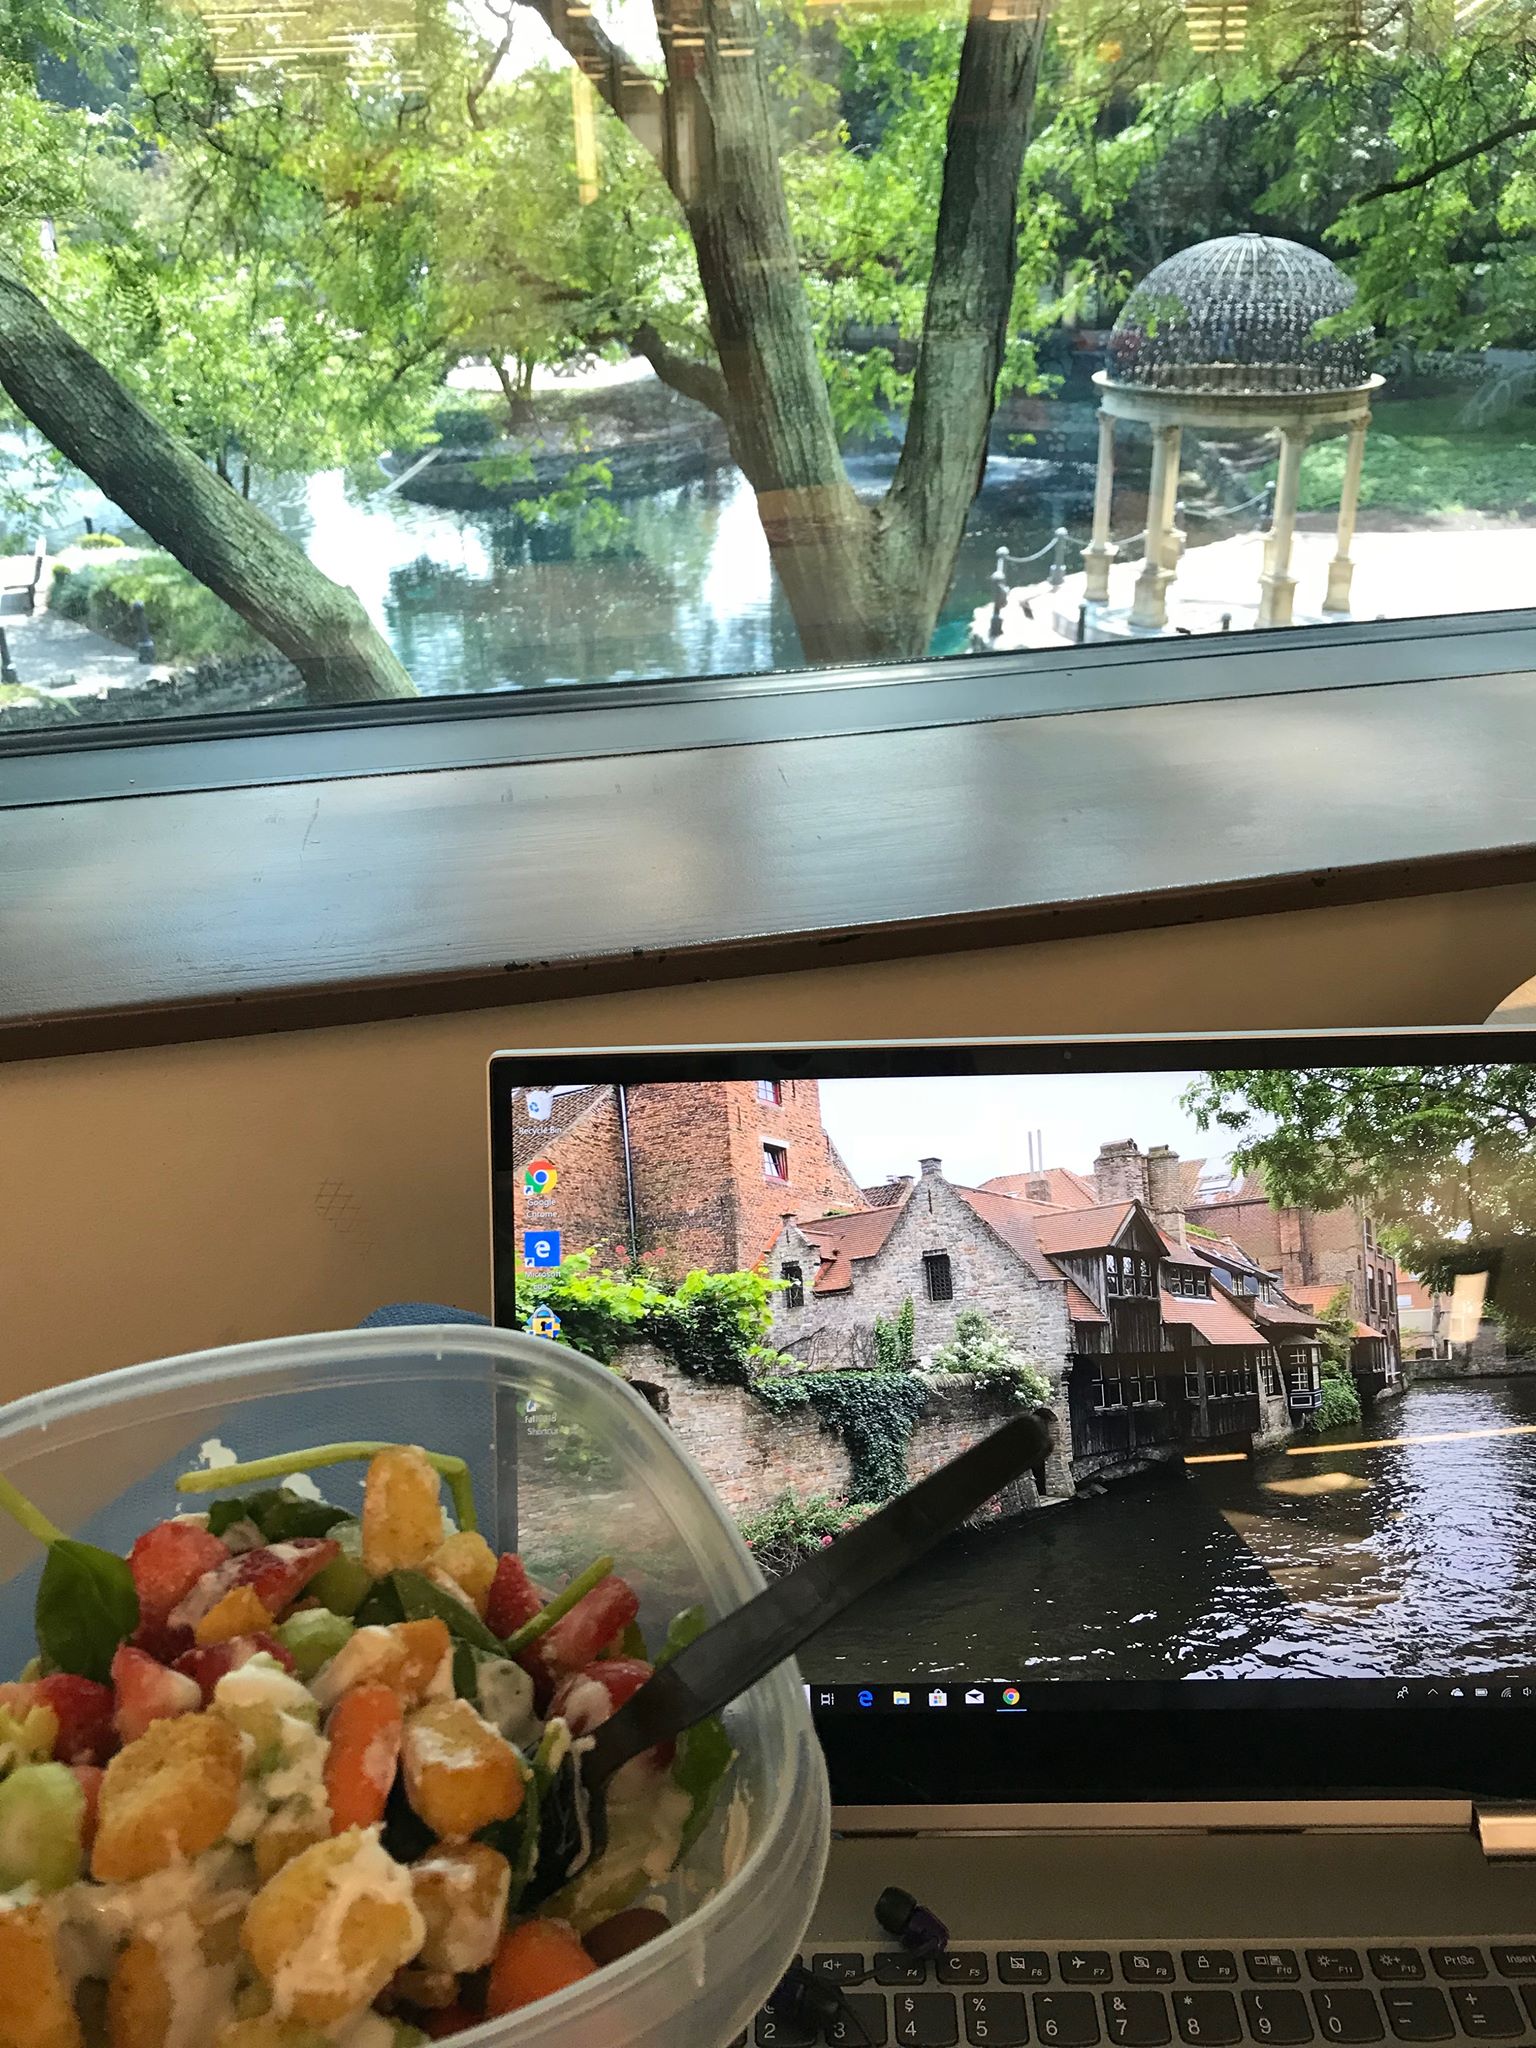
{"points": [[380, 1605], [704, 1756], [466, 1677], [685, 1627], [518, 1839], [632, 1643], [420, 1600], [278, 1514], [86, 1606], [406, 1835]]}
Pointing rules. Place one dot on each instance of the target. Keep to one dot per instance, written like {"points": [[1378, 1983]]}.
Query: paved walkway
{"points": [[1406, 574], [69, 659]]}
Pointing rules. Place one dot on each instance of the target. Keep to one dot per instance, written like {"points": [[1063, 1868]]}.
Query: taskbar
{"points": [[962, 1696]]}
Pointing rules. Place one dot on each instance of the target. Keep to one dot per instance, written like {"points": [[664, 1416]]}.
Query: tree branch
{"points": [[1441, 165], [699, 381], [638, 99], [475, 93]]}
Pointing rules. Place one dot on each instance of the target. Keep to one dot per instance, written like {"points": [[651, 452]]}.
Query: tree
{"points": [[1443, 1157], [1336, 1339]]}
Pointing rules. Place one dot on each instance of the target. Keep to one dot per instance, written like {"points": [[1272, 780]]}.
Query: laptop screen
{"points": [[1281, 1313]]}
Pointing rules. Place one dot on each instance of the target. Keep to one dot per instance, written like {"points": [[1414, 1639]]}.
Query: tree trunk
{"points": [[965, 319], [226, 543]]}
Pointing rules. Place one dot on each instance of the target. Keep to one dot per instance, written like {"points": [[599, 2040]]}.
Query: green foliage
{"points": [[979, 1347], [1340, 1407], [874, 1413], [796, 1525], [712, 1324], [100, 543], [1425, 455], [1336, 1335], [457, 425], [894, 1340], [185, 619], [1444, 1158]]}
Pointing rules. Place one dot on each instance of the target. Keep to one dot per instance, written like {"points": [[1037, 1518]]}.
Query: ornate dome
{"points": [[1239, 315]]}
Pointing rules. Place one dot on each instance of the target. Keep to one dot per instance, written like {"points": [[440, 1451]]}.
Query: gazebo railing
{"points": [[1061, 541]]}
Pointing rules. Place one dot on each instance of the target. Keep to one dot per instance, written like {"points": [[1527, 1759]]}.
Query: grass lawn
{"points": [[1420, 457]]}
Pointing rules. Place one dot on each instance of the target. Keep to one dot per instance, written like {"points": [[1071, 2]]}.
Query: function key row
{"points": [[1188, 1966], [1353, 2018]]}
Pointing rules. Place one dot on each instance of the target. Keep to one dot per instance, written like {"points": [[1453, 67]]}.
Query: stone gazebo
{"points": [[1224, 335]]}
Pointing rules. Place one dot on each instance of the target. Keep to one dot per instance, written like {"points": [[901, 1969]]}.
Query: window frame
{"points": [[772, 1155], [232, 750], [792, 1272], [935, 1263], [770, 1094]]}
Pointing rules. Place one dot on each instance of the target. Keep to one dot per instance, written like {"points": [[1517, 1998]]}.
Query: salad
{"points": [[290, 1777]]}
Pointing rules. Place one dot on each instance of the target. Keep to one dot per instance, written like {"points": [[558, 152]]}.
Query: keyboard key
{"points": [[1085, 1966], [961, 1966], [895, 1966], [1515, 1962], [1272, 1965], [1419, 2015], [1066, 2019], [1023, 1966], [1334, 1965], [1348, 2015], [1207, 2017], [1396, 1964], [844, 1966], [778, 2030], [1210, 1966], [1277, 2017], [1136, 2019], [999, 2018], [1459, 1962], [861, 2023], [1146, 1965], [1488, 2012], [925, 2019]]}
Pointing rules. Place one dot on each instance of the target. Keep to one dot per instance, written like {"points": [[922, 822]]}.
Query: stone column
{"points": [[1101, 550], [1151, 604], [1341, 569], [1277, 586]]}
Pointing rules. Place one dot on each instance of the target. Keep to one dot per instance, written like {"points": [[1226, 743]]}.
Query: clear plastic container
{"points": [[567, 1462]]}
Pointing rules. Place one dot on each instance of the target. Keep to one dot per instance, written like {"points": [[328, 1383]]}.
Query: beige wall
{"points": [[159, 1201]]}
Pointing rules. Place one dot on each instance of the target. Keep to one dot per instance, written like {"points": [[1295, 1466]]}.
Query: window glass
{"points": [[775, 1163], [488, 346], [793, 1276], [938, 1281]]}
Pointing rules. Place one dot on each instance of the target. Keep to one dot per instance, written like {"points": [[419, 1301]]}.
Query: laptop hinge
{"points": [[1506, 1832]]}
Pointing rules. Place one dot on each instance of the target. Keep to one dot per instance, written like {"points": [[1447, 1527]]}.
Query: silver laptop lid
{"points": [[1278, 1293]]}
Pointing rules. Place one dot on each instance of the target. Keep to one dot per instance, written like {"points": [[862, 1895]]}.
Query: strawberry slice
{"points": [[84, 1711], [277, 1574], [587, 1697], [89, 1777], [514, 1598], [205, 1667], [147, 1692], [594, 1621], [162, 1640], [167, 1562]]}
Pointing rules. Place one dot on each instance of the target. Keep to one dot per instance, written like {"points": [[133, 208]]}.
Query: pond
{"points": [[471, 602], [1414, 1559]]}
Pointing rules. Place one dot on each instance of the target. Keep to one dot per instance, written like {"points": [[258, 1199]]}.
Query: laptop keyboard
{"points": [[1216, 1996]]}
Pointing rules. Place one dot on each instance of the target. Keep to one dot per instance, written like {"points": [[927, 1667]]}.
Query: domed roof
{"points": [[1238, 314]]}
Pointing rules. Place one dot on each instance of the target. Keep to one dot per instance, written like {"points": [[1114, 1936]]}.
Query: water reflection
{"points": [[1410, 1560]]}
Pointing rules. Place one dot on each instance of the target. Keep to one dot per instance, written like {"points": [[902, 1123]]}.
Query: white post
{"points": [[1151, 603], [1277, 586], [1341, 569], [1101, 550]]}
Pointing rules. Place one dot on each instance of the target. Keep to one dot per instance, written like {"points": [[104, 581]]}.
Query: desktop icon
{"points": [[975, 1697], [539, 1176], [938, 1697], [543, 1323], [541, 1248], [866, 1698], [901, 1699], [540, 1105], [1011, 1695]]}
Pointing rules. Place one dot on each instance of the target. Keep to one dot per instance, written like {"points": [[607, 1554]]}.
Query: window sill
{"points": [[219, 912]]}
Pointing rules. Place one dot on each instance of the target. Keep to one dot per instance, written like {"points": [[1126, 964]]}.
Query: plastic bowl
{"points": [[567, 1462]]}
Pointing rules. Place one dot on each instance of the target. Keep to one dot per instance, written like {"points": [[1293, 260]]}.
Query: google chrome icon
{"points": [[539, 1176], [1010, 1695]]}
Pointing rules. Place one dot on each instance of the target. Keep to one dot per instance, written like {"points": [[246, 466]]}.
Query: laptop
{"points": [[1219, 1728]]}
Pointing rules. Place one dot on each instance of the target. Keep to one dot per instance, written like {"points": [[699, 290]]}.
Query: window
{"points": [[770, 1092], [775, 1162], [1109, 1392], [1271, 1373], [1405, 1301], [794, 1277], [1369, 1239], [1112, 1274], [938, 1281]]}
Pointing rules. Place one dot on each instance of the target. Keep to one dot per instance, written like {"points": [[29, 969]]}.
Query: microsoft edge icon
{"points": [[541, 1248]]}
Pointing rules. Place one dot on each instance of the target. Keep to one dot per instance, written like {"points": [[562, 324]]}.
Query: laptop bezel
{"points": [[1091, 1755]]}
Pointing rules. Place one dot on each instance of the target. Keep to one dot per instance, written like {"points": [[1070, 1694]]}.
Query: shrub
{"points": [[184, 619], [99, 542], [797, 1525], [979, 1347], [464, 426]]}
